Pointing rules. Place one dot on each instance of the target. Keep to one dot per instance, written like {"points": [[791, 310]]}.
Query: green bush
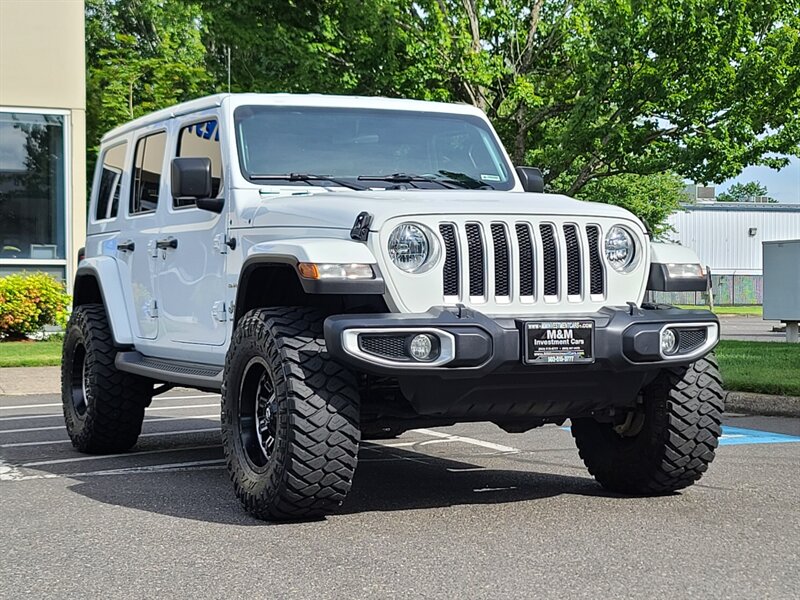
{"points": [[28, 302]]}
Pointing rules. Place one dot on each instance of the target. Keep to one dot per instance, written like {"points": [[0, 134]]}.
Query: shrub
{"points": [[28, 302]]}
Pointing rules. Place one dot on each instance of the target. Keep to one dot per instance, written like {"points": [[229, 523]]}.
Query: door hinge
{"points": [[222, 242], [219, 312], [151, 309]]}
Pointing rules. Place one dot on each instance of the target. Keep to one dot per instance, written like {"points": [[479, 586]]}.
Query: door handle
{"points": [[167, 243], [128, 246]]}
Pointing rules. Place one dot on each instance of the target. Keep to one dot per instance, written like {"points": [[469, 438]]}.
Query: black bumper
{"points": [[487, 378], [624, 340]]}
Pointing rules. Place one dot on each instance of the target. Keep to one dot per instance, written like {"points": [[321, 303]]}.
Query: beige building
{"points": [[42, 135]]}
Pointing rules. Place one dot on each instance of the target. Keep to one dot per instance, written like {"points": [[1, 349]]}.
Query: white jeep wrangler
{"points": [[346, 268]]}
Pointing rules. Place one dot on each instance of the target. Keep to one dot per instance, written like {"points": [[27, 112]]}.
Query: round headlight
{"points": [[620, 248], [409, 247]]}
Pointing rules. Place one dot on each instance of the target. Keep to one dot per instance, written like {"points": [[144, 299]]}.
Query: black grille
{"points": [[573, 260], [450, 271], [501, 260], [690, 339], [550, 256], [476, 259], [386, 346], [597, 285], [525, 260]]}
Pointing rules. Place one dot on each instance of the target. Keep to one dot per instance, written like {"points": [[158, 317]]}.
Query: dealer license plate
{"points": [[559, 342]]}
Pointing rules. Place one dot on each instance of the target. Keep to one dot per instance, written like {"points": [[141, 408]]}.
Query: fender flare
{"points": [[313, 250], [103, 269], [662, 256]]}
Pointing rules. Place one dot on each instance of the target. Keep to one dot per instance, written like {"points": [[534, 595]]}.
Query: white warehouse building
{"points": [[728, 238]]}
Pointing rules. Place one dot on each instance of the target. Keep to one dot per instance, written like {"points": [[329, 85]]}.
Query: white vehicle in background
{"points": [[344, 268]]}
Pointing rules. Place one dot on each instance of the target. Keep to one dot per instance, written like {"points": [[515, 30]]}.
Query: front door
{"points": [[191, 273]]}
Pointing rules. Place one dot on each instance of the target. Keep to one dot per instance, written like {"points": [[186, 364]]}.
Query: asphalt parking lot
{"points": [[461, 512]]}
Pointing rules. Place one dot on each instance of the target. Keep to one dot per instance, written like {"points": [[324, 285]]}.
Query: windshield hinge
{"points": [[360, 230]]}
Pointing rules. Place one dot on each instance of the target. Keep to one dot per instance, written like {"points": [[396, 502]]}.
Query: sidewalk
{"points": [[18, 381]]}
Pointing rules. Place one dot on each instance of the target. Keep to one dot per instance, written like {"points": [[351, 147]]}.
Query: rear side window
{"points": [[201, 140], [110, 182], [148, 162]]}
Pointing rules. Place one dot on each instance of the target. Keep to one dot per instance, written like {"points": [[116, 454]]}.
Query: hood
{"points": [[298, 207]]}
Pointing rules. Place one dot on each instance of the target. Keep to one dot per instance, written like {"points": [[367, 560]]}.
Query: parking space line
{"points": [[158, 420], [142, 435], [150, 409], [468, 440], [195, 465], [60, 461], [54, 404]]}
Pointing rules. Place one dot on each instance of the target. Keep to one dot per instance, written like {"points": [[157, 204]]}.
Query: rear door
{"points": [[191, 275], [147, 191]]}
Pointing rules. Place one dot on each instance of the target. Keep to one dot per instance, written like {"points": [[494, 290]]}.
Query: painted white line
{"points": [[468, 440], [158, 420], [498, 489], [54, 404], [60, 461], [143, 435], [196, 465], [148, 410]]}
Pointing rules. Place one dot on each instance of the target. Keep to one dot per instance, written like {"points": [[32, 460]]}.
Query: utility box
{"points": [[782, 284]]}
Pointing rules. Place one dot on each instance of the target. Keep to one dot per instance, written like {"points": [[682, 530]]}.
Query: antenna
{"points": [[229, 69]]}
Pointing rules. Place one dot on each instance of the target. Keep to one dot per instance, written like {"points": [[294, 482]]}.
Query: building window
{"points": [[148, 163], [201, 140], [110, 182], [33, 195]]}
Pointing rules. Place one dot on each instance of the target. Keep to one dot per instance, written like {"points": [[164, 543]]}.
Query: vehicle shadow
{"points": [[387, 479]]}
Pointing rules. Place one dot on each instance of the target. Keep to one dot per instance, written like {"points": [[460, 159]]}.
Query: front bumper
{"points": [[473, 344]]}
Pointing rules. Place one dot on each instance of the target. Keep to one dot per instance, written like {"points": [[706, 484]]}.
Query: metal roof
{"points": [[743, 206]]}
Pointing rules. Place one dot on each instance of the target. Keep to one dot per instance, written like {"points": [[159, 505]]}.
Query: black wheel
{"points": [[666, 444], [289, 416], [103, 407]]}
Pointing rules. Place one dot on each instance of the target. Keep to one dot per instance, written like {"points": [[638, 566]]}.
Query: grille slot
{"points": [[550, 259], [477, 267], [385, 346], [596, 275], [526, 269], [450, 281], [573, 260], [691, 339], [502, 273]]}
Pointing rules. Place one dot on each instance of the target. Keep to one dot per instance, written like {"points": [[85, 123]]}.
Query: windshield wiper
{"points": [[465, 181], [307, 178], [405, 178]]}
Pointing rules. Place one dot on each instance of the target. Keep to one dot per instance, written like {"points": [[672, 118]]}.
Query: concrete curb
{"points": [[762, 404]]}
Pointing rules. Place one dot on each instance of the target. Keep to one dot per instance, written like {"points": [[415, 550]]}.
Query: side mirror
{"points": [[191, 179], [531, 178]]}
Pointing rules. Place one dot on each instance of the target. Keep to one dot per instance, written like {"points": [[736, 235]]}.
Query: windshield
{"points": [[378, 148]]}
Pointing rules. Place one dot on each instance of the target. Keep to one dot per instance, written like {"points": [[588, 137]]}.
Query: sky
{"points": [[783, 185]]}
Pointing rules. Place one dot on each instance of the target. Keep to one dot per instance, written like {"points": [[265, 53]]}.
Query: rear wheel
{"points": [[666, 444], [103, 407], [290, 416]]}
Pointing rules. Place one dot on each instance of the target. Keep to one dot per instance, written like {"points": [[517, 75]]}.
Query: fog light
{"points": [[421, 346], [669, 341]]}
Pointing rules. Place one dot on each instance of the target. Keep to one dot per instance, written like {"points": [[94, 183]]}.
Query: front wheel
{"points": [[666, 444], [290, 416]]}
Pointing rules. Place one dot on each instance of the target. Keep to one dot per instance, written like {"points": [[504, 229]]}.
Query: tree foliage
{"points": [[745, 192], [588, 90]]}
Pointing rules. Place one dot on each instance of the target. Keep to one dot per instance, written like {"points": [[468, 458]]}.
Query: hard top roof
{"points": [[309, 100]]}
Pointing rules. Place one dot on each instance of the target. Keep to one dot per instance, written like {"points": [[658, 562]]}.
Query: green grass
{"points": [[30, 354], [755, 311], [761, 367]]}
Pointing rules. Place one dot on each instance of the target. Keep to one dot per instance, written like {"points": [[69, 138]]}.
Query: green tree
{"points": [[141, 55], [744, 192]]}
